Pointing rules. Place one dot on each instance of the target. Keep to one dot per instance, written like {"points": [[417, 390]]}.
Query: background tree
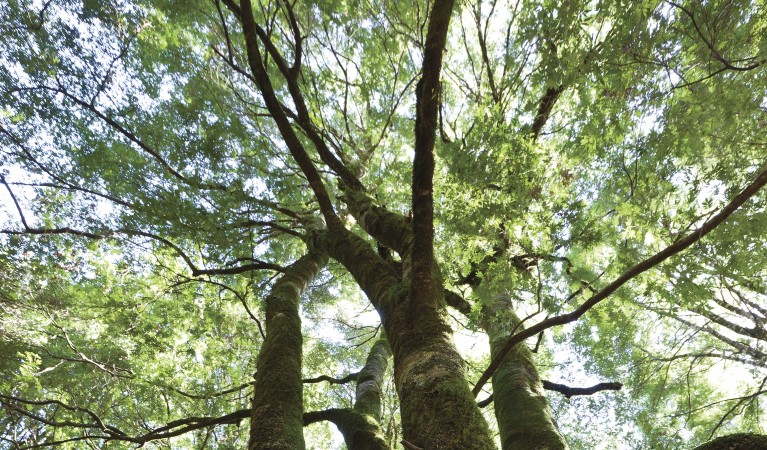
{"points": [[223, 213]]}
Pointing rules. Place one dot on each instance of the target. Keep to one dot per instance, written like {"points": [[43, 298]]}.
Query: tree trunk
{"points": [[361, 425], [524, 417], [277, 415], [370, 380], [740, 441], [437, 407], [438, 410]]}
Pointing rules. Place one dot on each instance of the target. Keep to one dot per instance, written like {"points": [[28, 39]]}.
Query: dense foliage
{"points": [[170, 170]]}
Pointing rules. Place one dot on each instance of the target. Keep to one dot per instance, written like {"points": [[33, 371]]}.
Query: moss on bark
{"points": [[387, 227], [360, 431], [370, 380], [740, 441], [361, 425], [436, 404], [524, 418], [277, 415], [438, 409]]}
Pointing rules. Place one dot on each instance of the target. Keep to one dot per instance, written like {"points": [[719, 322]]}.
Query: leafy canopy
{"points": [[150, 201]]}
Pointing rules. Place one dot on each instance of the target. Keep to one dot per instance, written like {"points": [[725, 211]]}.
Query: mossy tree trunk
{"points": [[361, 425], [370, 380], [436, 404], [277, 414], [437, 407], [739, 441], [524, 417]]}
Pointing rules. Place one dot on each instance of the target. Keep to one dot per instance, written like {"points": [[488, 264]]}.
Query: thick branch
{"points": [[387, 227], [427, 106], [740, 441], [544, 109], [334, 415], [260, 265], [291, 75], [457, 302], [292, 141], [482, 37], [349, 378], [569, 391], [373, 274]]}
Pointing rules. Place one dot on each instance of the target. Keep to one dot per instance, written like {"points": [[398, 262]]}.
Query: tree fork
{"points": [[438, 410]]}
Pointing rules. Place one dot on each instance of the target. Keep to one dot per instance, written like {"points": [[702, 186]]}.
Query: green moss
{"points": [[370, 380], [524, 418], [437, 408], [277, 416], [740, 441]]}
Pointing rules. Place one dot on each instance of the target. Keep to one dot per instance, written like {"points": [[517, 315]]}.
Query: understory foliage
{"points": [[429, 224]]}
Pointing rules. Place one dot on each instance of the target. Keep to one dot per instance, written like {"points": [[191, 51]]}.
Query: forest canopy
{"points": [[385, 225]]}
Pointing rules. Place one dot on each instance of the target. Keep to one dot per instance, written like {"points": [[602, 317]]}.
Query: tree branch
{"points": [[289, 136], [135, 139], [427, 107], [457, 302], [638, 269], [544, 109], [331, 380], [567, 391], [710, 44]]}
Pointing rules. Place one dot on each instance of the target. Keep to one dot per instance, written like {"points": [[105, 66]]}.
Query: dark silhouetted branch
{"points": [[567, 391], [331, 380]]}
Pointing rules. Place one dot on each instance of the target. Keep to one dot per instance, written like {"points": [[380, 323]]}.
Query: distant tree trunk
{"points": [[524, 418], [361, 425], [370, 381], [277, 414]]}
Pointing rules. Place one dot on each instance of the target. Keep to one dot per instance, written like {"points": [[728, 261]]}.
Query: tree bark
{"points": [[436, 405], [524, 418], [370, 380], [359, 431], [361, 425], [277, 414], [740, 441], [437, 408]]}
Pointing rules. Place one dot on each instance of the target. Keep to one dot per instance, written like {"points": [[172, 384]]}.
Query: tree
{"points": [[191, 187]]}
